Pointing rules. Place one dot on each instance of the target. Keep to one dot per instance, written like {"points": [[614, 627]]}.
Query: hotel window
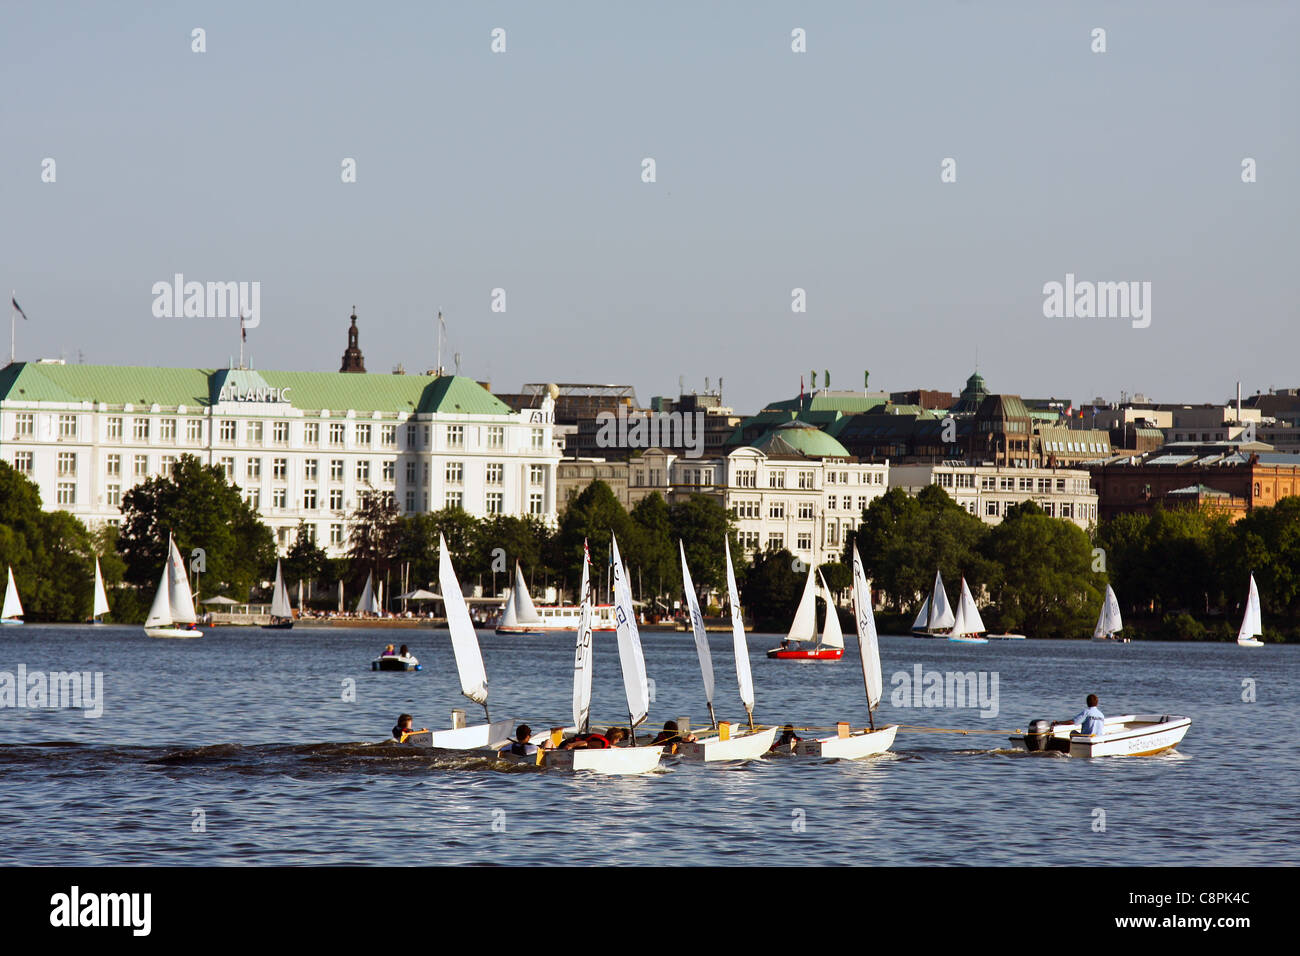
{"points": [[776, 479], [805, 509], [1060, 484], [410, 472], [831, 503], [1067, 510], [496, 436], [455, 499], [538, 439], [775, 542], [194, 430], [336, 469], [228, 426], [803, 542], [66, 492], [536, 475], [410, 436], [363, 471], [805, 479], [282, 536], [848, 502], [495, 502], [495, 473], [833, 533], [1050, 509], [410, 501], [68, 426], [280, 468], [390, 470], [863, 501], [140, 429], [278, 497], [388, 436], [988, 484], [228, 466], [114, 429], [1007, 484], [830, 477], [336, 534], [309, 532], [310, 469], [113, 496], [880, 479], [23, 462], [776, 509], [965, 481], [363, 436], [309, 499], [24, 424], [455, 472], [991, 508], [140, 466], [336, 434], [748, 540], [166, 465], [535, 503], [167, 429], [253, 498], [67, 463], [311, 433], [746, 479], [944, 479], [254, 469], [455, 436], [280, 433], [336, 499]]}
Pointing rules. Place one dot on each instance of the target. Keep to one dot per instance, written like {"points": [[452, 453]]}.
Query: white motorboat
{"points": [[1252, 624], [395, 662], [967, 624], [935, 617], [1132, 735], [1109, 622], [13, 608], [172, 612]]}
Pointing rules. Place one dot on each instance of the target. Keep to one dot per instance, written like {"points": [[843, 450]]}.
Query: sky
{"points": [[775, 170]]}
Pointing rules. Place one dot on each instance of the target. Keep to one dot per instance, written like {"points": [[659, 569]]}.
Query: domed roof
{"points": [[802, 438]]}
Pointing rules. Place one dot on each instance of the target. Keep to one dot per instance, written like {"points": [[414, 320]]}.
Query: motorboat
{"points": [[1132, 735]]}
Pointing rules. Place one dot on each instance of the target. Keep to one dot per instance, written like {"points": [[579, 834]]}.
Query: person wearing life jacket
{"points": [[520, 746], [388, 651], [586, 742], [788, 738], [403, 728], [670, 737]]}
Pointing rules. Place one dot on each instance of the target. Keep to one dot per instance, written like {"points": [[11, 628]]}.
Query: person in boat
{"points": [[403, 728], [670, 737], [403, 652], [788, 738], [615, 736], [388, 651], [1090, 720], [586, 742], [520, 746]]}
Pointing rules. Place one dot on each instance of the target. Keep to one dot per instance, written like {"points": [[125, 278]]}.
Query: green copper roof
{"points": [[804, 438], [847, 404], [309, 391]]}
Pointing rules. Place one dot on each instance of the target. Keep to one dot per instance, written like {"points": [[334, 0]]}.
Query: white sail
{"points": [[804, 627], [922, 616], [13, 608], [741, 646], [101, 597], [525, 610], [280, 596], [967, 619], [464, 640], [832, 633], [941, 613], [582, 655], [868, 641], [697, 626], [178, 587], [508, 616], [160, 612], [1108, 621], [1252, 624], [366, 603], [379, 597], [629, 643]]}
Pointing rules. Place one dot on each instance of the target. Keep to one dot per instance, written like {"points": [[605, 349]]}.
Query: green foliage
{"points": [[1043, 583], [771, 590], [304, 562]]}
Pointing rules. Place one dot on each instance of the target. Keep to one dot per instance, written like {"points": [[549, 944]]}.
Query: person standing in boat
{"points": [[1091, 720]]}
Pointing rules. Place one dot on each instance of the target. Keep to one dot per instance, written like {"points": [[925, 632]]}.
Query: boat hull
{"points": [[1132, 735], [477, 737], [10, 621], [278, 626], [173, 632], [938, 634], [1247, 642], [864, 743], [1006, 637], [815, 654], [738, 747], [394, 663], [964, 639]]}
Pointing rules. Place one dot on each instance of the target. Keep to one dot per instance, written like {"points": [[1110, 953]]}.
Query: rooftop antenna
{"points": [[457, 360], [243, 337], [706, 385], [681, 384], [442, 330], [719, 388]]}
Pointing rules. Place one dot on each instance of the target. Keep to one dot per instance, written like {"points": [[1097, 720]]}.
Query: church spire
{"points": [[353, 361]]}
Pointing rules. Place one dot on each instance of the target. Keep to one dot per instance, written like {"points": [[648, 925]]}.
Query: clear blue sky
{"points": [[775, 170]]}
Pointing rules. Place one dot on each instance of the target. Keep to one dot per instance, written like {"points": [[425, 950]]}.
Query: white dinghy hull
{"points": [[477, 737], [613, 761], [172, 632], [864, 743], [738, 747], [1132, 735]]}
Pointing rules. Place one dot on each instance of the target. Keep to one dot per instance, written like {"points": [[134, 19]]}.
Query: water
{"points": [[250, 727]]}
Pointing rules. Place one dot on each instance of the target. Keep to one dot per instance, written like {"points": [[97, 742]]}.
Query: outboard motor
{"points": [[1038, 736]]}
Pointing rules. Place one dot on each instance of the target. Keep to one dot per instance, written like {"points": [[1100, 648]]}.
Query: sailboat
{"points": [[519, 616], [100, 606], [804, 627], [469, 666], [724, 746], [967, 625], [936, 616], [848, 744], [1252, 624], [1109, 622], [281, 612], [366, 604], [172, 611], [13, 608]]}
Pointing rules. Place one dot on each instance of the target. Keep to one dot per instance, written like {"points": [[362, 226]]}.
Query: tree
{"points": [[592, 515], [771, 591], [305, 561], [374, 537], [702, 524], [656, 546]]}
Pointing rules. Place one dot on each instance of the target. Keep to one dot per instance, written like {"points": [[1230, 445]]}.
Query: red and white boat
{"points": [[804, 629]]}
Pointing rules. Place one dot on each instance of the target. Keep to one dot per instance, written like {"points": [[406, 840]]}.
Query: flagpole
{"points": [[13, 326]]}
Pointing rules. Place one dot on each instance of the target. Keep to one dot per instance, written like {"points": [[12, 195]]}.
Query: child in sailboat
{"points": [[520, 746], [403, 728], [670, 737], [788, 738]]}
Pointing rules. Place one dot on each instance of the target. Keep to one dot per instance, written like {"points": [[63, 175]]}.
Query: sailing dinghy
{"points": [[172, 612], [100, 606], [1109, 623], [967, 626], [519, 616], [724, 746], [469, 665], [1252, 624], [936, 616], [366, 604], [281, 612], [13, 608], [804, 628], [848, 744]]}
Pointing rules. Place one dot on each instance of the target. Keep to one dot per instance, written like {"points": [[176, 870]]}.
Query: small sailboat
{"points": [[1109, 623], [172, 612], [100, 606], [804, 627], [724, 745], [519, 616], [936, 615], [849, 744], [967, 626], [13, 608], [469, 666], [281, 612], [366, 604], [1252, 624]]}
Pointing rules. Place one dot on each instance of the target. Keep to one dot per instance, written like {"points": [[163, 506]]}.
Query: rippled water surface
{"points": [[251, 728]]}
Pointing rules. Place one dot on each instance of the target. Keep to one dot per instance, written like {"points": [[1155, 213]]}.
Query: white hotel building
{"points": [[302, 446]]}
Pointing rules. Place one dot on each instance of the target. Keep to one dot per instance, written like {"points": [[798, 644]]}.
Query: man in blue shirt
{"points": [[1090, 720]]}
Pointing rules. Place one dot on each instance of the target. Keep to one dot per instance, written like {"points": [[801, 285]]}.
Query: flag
{"points": [[18, 307], [243, 331]]}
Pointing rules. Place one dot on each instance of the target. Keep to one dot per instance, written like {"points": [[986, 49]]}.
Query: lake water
{"points": [[251, 728]]}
